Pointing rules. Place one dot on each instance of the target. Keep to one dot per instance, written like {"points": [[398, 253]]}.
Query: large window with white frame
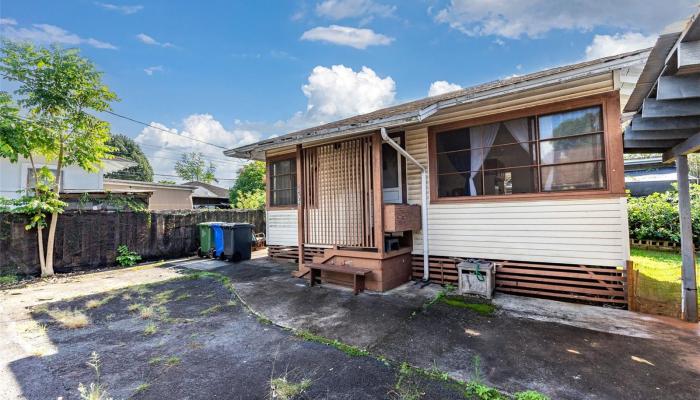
{"points": [[555, 152]]}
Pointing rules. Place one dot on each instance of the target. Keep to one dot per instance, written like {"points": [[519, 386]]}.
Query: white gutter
{"points": [[424, 199]]}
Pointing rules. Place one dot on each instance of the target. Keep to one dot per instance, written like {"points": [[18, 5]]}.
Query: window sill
{"points": [[280, 208], [576, 194]]}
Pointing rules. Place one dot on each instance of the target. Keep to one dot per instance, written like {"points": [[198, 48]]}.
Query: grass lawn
{"points": [[659, 285]]}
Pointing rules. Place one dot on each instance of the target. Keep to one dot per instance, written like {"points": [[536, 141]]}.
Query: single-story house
{"points": [[207, 195], [526, 172], [163, 196], [17, 177], [644, 176]]}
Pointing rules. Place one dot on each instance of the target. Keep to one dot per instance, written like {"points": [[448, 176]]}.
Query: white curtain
{"points": [[480, 136], [519, 129]]}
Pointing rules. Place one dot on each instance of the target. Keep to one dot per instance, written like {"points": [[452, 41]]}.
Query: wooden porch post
{"points": [[300, 205], [689, 301], [378, 198]]}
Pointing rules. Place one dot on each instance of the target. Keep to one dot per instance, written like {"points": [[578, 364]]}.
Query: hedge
{"points": [[655, 217]]}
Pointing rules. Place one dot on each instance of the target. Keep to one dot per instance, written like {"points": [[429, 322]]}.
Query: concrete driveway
{"points": [[566, 351], [201, 340]]}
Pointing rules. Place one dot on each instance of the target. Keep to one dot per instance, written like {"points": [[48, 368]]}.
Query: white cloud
{"points": [[47, 34], [608, 45], [150, 70], [339, 92], [534, 18], [341, 9], [124, 9], [441, 87], [347, 36], [149, 40], [162, 148]]}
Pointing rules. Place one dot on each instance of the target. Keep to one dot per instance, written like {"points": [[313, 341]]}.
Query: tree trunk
{"points": [[40, 240], [39, 229], [54, 217]]}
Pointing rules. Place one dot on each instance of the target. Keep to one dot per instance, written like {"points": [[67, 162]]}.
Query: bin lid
{"points": [[236, 225], [210, 223]]}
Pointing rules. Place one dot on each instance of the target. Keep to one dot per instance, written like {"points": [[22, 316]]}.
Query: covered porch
{"points": [[352, 211]]}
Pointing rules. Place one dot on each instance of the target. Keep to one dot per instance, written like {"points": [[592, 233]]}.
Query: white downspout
{"points": [[424, 199]]}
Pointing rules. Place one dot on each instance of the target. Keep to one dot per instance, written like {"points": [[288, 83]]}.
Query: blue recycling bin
{"points": [[218, 234]]}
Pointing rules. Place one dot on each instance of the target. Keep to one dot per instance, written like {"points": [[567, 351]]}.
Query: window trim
{"points": [[612, 148], [268, 186]]}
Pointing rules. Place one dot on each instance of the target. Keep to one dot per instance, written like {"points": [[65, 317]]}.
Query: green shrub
{"points": [[655, 217], [126, 257]]}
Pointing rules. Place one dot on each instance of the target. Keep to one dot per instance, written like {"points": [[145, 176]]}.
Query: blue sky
{"points": [[232, 72]]}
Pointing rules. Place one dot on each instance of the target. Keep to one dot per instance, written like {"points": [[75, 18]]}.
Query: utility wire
{"points": [[140, 122]]}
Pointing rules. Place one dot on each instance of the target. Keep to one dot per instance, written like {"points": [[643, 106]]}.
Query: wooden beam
{"points": [[653, 108], [689, 55], [378, 198], [690, 145], [657, 124], [689, 301], [671, 134], [300, 205], [678, 87], [650, 144]]}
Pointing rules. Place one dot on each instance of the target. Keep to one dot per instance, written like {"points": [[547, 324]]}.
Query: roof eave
{"points": [[256, 151]]}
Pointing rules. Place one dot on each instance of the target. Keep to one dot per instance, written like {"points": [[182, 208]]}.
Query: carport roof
{"points": [[666, 99]]}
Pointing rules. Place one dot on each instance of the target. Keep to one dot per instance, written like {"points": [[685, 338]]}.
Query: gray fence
{"points": [[89, 239]]}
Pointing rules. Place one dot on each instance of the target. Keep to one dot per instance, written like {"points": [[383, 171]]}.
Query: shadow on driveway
{"points": [[190, 338]]}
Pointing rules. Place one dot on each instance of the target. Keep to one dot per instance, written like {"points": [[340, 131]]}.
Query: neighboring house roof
{"points": [[650, 170], [136, 185], [637, 164], [420, 110], [116, 164], [208, 190]]}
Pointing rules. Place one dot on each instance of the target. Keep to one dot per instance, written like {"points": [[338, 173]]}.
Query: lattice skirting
{"points": [[291, 253], [579, 283]]}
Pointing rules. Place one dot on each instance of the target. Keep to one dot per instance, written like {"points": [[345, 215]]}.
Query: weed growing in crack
{"points": [[529, 395], [283, 389], [142, 388], [212, 310], [150, 329], [172, 361], [95, 391], [345, 348]]}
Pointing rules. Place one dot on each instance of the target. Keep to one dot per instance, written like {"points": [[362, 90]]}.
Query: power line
{"points": [[162, 129], [141, 122]]}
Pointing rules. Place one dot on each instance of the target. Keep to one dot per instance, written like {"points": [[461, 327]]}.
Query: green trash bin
{"points": [[206, 239], [238, 239]]}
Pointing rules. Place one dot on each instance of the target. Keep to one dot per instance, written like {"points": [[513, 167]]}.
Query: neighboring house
{"points": [[16, 177], [208, 196], [526, 171], [163, 196], [650, 175]]}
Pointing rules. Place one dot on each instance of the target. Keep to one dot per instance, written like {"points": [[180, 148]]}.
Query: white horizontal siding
{"points": [[282, 227], [585, 231]]}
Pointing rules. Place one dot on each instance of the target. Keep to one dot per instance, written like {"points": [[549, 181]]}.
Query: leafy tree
{"points": [[56, 89], [126, 147], [192, 167], [251, 179], [254, 200]]}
